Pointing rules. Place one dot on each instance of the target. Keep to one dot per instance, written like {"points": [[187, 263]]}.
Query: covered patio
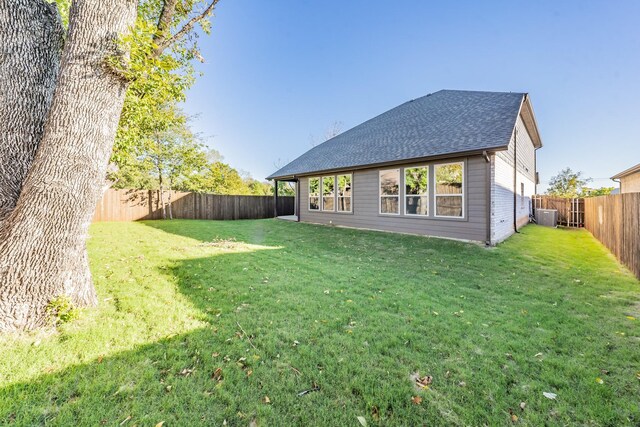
{"points": [[282, 203]]}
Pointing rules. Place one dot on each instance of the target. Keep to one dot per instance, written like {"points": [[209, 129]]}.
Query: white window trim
{"points": [[336, 187], [322, 196], [309, 194], [404, 180], [380, 195], [435, 191]]}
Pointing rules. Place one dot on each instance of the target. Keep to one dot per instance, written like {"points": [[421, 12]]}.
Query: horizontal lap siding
{"points": [[366, 208]]}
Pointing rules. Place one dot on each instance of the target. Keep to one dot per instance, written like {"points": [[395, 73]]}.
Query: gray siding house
{"points": [[453, 164]]}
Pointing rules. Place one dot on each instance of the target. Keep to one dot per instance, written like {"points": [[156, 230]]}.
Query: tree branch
{"points": [[169, 6], [165, 20]]}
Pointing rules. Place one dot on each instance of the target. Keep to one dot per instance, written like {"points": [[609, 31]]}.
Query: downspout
{"points": [[619, 184], [515, 178], [297, 199], [487, 160]]}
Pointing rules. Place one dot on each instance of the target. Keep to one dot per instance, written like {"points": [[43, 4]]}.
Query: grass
{"points": [[199, 322]]}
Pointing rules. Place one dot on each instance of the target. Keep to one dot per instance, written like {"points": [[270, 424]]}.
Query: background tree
{"points": [[332, 130], [595, 192], [567, 183], [217, 178], [70, 101]]}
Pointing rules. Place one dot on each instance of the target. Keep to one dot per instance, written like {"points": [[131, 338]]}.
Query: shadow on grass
{"points": [[171, 380]]}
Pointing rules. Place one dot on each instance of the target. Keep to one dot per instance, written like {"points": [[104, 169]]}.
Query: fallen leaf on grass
{"points": [[186, 372], [599, 380], [523, 405], [462, 384], [249, 372], [416, 400], [362, 421], [266, 400], [631, 318], [548, 395], [100, 358], [217, 375], [424, 382], [375, 413], [160, 424]]}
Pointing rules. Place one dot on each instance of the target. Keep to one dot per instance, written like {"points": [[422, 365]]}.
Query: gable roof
{"points": [[632, 169], [441, 123]]}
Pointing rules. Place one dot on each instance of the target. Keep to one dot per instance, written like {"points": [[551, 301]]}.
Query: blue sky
{"points": [[279, 73]]}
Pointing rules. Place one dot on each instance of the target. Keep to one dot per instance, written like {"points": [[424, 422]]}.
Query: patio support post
{"points": [[275, 193]]}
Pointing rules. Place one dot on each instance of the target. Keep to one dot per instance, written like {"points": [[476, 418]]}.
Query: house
{"points": [[629, 179], [454, 164]]}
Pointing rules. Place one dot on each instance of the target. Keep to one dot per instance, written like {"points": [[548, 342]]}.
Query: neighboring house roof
{"points": [[441, 123], [626, 172]]}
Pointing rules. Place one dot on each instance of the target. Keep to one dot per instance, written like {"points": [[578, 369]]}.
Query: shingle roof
{"points": [[445, 122]]}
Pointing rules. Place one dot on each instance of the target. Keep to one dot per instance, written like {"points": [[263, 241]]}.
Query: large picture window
{"points": [[328, 193], [314, 194], [344, 193], [416, 193], [449, 190], [390, 191]]}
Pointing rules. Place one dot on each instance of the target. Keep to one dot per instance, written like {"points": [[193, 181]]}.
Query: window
{"points": [[390, 191], [328, 193], [314, 194], [416, 191], [344, 193], [449, 190]]}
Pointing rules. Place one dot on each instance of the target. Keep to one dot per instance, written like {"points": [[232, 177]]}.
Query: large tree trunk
{"points": [[31, 38], [42, 241]]}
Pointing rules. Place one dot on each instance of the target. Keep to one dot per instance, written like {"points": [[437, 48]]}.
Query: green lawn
{"points": [[200, 321]]}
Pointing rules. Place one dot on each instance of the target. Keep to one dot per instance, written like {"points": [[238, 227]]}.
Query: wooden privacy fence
{"points": [[570, 210], [132, 205], [615, 221]]}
